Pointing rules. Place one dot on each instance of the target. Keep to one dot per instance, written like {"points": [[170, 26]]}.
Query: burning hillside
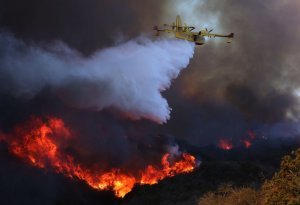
{"points": [[43, 144]]}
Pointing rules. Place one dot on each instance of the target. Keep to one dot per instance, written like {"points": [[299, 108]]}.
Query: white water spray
{"points": [[129, 77]]}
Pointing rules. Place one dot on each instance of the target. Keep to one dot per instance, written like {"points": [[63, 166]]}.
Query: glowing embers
{"points": [[246, 141], [42, 144], [225, 144]]}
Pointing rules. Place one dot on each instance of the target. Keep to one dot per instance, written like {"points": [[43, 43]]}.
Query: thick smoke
{"points": [[227, 88], [129, 77], [259, 69], [249, 84]]}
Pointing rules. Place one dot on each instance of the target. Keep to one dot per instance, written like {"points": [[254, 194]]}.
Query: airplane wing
{"points": [[222, 36], [155, 28]]}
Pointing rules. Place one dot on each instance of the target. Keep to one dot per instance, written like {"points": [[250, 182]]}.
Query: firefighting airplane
{"points": [[186, 32]]}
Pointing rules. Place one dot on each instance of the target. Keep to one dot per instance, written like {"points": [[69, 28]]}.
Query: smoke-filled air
{"points": [[129, 102]]}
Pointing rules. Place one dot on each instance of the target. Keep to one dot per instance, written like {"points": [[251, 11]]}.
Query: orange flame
{"points": [[152, 175], [225, 144], [39, 145]]}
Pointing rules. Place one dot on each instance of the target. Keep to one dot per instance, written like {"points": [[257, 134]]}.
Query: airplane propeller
{"points": [[208, 31]]}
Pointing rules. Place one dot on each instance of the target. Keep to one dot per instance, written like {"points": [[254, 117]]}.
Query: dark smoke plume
{"points": [[251, 83]]}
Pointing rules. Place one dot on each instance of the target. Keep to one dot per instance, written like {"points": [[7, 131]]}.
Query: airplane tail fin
{"points": [[230, 37], [178, 23], [155, 28]]}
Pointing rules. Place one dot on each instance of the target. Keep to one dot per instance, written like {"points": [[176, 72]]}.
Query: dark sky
{"points": [[84, 25]]}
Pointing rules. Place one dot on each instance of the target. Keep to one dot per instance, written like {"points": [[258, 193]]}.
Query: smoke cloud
{"points": [[249, 84], [129, 77], [259, 66]]}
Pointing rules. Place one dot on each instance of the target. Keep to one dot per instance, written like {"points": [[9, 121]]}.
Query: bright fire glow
{"points": [[40, 144], [225, 144], [152, 175]]}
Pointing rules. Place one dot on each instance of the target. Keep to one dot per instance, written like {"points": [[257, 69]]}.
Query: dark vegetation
{"points": [[238, 172], [239, 176]]}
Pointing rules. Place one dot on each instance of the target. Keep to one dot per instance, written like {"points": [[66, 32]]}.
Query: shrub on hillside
{"points": [[227, 195], [284, 187]]}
